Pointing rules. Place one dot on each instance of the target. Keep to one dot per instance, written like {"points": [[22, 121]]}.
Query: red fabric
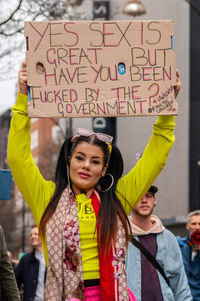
{"points": [[107, 284]]}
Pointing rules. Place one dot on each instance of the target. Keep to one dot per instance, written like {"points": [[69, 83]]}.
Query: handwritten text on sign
{"points": [[100, 68]]}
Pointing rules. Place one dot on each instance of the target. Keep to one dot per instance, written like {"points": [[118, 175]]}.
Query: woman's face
{"points": [[86, 168]]}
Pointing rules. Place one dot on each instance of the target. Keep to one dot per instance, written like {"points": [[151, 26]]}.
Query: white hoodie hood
{"points": [[156, 228]]}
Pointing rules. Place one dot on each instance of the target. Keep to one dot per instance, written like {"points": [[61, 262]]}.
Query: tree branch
{"points": [[10, 17]]}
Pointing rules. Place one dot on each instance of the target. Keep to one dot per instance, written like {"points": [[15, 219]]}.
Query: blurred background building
{"points": [[179, 181]]}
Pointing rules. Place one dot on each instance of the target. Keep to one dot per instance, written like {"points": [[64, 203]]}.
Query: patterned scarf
{"points": [[65, 273]]}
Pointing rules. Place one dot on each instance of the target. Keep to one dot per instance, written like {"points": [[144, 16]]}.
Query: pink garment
{"points": [[93, 294], [131, 296]]}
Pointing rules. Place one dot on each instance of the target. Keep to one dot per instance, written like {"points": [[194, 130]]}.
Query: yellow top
{"points": [[88, 236], [37, 192]]}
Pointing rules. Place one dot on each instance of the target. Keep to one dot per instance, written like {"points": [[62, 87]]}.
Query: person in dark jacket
{"points": [[190, 248], [8, 286], [31, 270]]}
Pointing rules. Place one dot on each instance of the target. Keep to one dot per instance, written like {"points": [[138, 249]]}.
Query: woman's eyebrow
{"points": [[81, 153], [93, 157]]}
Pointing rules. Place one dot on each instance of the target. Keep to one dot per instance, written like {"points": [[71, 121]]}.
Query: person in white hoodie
{"points": [[164, 280]]}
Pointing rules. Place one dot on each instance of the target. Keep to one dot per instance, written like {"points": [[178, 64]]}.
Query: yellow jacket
{"points": [[37, 192]]}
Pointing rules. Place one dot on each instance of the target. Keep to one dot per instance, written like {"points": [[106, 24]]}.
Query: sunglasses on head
{"points": [[100, 136]]}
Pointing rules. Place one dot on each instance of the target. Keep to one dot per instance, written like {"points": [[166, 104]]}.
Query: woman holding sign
{"points": [[83, 215]]}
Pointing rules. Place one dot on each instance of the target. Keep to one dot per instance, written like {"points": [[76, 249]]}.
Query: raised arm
{"points": [[34, 189], [132, 187]]}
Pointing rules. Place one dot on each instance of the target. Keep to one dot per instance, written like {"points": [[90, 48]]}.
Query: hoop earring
{"points": [[99, 186]]}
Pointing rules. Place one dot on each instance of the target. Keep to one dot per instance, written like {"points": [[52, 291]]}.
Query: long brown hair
{"points": [[111, 208]]}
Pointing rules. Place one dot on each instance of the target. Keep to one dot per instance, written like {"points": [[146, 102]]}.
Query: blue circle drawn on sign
{"points": [[121, 68]]}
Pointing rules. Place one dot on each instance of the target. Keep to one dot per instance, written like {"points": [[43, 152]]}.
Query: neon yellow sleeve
{"points": [[131, 188], [35, 190]]}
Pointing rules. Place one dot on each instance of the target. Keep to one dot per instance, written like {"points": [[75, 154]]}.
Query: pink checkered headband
{"points": [[100, 136]]}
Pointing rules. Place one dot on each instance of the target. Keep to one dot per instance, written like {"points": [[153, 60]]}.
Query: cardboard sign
{"points": [[100, 68]]}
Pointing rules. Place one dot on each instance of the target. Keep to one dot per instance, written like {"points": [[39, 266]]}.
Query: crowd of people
{"points": [[156, 270], [119, 251]]}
